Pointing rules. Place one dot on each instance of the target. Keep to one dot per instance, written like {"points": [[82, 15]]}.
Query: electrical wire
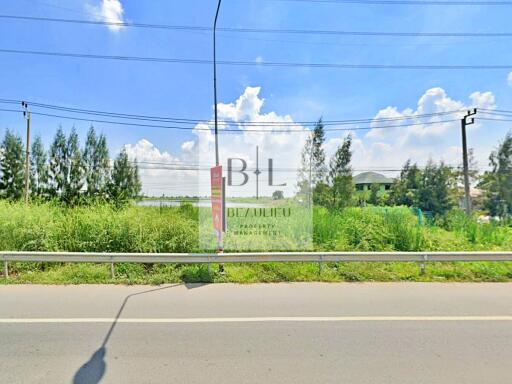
{"points": [[244, 123], [233, 130], [261, 64], [405, 2], [259, 30]]}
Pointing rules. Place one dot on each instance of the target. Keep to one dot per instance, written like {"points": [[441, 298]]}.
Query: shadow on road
{"points": [[94, 369], [196, 285]]}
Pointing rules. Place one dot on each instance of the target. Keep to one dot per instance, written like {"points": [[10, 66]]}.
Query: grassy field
{"points": [[101, 228]]}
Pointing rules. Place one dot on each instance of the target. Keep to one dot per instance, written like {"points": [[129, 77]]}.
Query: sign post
{"points": [[217, 203]]}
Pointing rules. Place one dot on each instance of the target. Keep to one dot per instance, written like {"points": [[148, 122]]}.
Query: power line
{"points": [[404, 2], [260, 64], [495, 111], [260, 30], [232, 130], [491, 119], [243, 123]]}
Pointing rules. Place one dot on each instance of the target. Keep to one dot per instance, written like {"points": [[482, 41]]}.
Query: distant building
{"points": [[364, 181]]}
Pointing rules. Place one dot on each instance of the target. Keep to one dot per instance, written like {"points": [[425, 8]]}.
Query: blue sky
{"points": [[185, 90]]}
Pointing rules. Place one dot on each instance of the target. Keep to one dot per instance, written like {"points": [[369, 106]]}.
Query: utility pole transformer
{"points": [[26, 113], [466, 120]]}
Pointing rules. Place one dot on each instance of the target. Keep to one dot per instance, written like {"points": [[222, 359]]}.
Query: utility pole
{"points": [[26, 113], [310, 189], [215, 84], [220, 245], [466, 120]]}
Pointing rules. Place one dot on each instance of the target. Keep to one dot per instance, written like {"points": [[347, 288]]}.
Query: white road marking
{"points": [[250, 319]]}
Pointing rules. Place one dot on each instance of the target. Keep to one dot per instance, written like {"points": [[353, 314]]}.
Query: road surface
{"points": [[275, 333]]}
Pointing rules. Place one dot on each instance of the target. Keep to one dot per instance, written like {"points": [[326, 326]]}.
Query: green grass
{"points": [[101, 228]]}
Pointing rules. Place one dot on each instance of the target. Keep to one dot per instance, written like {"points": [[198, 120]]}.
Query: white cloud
{"points": [[161, 172], [433, 138], [282, 146], [108, 10], [146, 151], [509, 79], [187, 146], [427, 137], [484, 100]]}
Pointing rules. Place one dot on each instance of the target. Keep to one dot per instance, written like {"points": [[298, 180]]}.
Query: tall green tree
{"points": [[405, 187], [340, 174], [313, 168], [434, 188], [319, 169], [58, 164], [497, 182], [374, 194], [305, 179], [38, 168], [125, 181], [96, 163], [12, 160], [75, 178]]}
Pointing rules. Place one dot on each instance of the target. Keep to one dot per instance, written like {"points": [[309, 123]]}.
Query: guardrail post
{"points": [[6, 269], [209, 265], [422, 264], [112, 271], [320, 265]]}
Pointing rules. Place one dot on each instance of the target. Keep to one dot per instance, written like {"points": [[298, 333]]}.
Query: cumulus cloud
{"points": [[423, 137], [161, 172], [108, 10], [283, 145], [252, 129], [432, 137]]}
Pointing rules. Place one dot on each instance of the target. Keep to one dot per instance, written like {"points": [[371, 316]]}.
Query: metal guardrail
{"points": [[250, 257]]}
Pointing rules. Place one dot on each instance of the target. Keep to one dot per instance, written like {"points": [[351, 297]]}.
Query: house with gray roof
{"points": [[364, 181]]}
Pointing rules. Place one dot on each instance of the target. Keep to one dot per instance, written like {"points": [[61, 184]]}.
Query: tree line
{"points": [[66, 171], [435, 188]]}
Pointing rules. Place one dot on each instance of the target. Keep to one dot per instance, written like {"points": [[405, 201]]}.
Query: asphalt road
{"points": [[287, 333]]}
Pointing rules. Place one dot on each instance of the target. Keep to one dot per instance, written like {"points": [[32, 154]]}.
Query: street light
{"points": [[215, 84]]}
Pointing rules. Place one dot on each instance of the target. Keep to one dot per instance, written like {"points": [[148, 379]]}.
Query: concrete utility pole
{"points": [[26, 113], [466, 120], [217, 161], [215, 84]]}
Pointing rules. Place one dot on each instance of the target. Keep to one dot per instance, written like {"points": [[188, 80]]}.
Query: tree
{"points": [[12, 160], [304, 184], [278, 195], [125, 182], [340, 174], [374, 194], [322, 195], [313, 169], [96, 163], [58, 167], [497, 182], [75, 176], [404, 189], [318, 153], [433, 192], [38, 168]]}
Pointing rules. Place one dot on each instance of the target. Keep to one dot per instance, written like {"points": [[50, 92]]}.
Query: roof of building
{"points": [[371, 178]]}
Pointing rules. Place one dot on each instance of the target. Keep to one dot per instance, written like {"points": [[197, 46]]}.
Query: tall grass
{"points": [[100, 228], [369, 229], [488, 234]]}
